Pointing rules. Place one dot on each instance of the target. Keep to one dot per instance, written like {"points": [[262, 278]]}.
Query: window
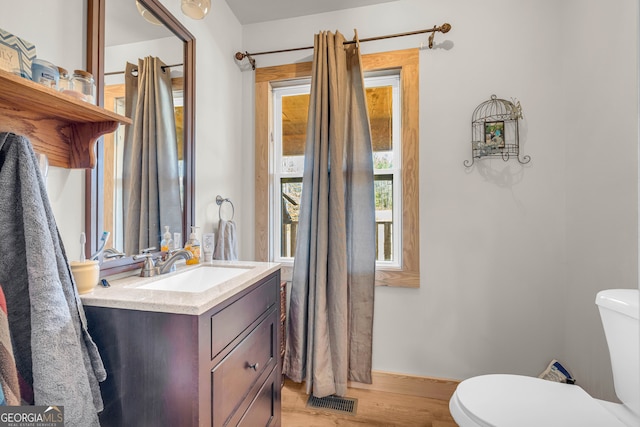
{"points": [[290, 106], [385, 116], [392, 83]]}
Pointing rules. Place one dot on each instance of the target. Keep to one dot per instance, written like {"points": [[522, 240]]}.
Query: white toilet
{"points": [[520, 401]]}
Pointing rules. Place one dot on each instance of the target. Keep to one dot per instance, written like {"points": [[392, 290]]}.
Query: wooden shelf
{"points": [[62, 127]]}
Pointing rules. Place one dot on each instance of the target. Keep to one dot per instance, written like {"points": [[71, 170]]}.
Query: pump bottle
{"points": [[193, 246], [167, 243]]}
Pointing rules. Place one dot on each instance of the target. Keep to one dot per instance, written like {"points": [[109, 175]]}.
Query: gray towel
{"points": [[226, 246], [53, 349]]}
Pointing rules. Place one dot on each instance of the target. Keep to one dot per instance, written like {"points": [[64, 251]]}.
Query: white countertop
{"points": [[125, 292]]}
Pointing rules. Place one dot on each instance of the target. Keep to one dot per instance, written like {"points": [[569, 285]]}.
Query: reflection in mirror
{"points": [[142, 168], [145, 168], [114, 166]]}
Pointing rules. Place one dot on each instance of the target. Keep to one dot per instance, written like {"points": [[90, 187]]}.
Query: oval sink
{"points": [[195, 280]]}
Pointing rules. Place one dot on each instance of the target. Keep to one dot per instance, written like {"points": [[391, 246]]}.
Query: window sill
{"points": [[384, 276]]}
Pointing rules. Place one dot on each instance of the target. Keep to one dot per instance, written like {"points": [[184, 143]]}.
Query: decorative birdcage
{"points": [[494, 131]]}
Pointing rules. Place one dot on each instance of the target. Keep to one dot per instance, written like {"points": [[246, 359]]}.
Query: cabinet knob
{"points": [[254, 366]]}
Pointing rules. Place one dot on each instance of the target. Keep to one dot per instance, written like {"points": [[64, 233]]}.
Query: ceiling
{"points": [[252, 11], [125, 25]]}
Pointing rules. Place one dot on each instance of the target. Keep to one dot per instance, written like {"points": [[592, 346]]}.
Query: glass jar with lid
{"points": [[45, 73], [83, 83], [64, 82]]}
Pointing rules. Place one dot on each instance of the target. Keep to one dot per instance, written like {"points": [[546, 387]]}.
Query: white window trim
{"points": [[275, 146], [393, 80]]}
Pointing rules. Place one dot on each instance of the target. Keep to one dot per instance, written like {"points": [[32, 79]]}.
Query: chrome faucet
{"points": [[149, 268], [163, 267], [113, 253]]}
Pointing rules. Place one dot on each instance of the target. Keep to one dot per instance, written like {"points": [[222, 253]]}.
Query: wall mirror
{"points": [[122, 32]]}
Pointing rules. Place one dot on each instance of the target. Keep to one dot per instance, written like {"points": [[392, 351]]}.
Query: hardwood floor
{"points": [[375, 408]]}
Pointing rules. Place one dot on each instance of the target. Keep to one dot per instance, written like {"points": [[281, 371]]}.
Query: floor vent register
{"points": [[337, 404]]}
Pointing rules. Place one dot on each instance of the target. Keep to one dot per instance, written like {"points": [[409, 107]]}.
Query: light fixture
{"points": [[196, 9], [148, 16]]}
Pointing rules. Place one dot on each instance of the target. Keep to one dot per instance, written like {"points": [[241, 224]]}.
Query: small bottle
{"points": [[208, 245], [84, 84], [167, 243], [193, 245]]}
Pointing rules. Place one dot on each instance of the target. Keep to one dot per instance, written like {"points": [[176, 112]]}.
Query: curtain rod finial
{"points": [[240, 56], [445, 27]]}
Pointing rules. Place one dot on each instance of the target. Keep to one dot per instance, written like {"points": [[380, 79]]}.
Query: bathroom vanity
{"points": [[185, 358]]}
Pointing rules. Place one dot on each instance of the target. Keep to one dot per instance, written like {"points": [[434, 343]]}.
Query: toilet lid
{"points": [[514, 400]]}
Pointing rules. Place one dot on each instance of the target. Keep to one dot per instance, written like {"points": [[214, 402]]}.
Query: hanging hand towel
{"points": [[226, 246], [52, 347]]}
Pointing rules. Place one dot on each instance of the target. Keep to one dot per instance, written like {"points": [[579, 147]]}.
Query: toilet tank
{"points": [[619, 314]]}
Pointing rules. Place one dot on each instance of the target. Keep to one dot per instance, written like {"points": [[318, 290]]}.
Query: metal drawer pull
{"points": [[255, 366]]}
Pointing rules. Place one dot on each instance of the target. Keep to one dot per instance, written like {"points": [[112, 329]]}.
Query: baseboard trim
{"points": [[413, 385]]}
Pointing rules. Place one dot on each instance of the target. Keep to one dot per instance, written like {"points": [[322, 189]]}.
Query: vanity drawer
{"points": [[262, 411], [229, 323], [234, 376]]}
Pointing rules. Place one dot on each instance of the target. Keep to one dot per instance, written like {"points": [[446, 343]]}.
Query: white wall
{"points": [[57, 29], [511, 255], [601, 110], [220, 167]]}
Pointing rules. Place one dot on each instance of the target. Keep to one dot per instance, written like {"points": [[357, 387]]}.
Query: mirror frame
{"points": [[94, 184]]}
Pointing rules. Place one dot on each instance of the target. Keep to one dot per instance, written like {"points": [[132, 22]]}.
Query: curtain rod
{"points": [[444, 28], [164, 67]]}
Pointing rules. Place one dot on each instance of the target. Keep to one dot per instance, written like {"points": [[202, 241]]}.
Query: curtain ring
{"points": [[219, 202]]}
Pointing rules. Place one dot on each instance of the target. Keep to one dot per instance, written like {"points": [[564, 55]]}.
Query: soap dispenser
{"points": [[167, 243], [193, 246]]}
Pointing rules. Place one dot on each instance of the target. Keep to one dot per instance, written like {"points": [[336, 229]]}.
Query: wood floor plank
{"points": [[375, 409]]}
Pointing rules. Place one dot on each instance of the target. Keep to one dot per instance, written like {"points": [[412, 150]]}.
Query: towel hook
{"points": [[219, 202]]}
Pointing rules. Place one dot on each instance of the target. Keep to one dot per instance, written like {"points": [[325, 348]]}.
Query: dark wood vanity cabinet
{"points": [[220, 368]]}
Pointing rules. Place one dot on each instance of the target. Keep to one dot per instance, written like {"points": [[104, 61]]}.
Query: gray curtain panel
{"points": [[331, 311], [150, 178]]}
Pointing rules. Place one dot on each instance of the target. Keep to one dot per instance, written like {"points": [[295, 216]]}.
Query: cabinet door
{"points": [[262, 411]]}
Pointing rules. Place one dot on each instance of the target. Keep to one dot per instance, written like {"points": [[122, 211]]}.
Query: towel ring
{"points": [[219, 202]]}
